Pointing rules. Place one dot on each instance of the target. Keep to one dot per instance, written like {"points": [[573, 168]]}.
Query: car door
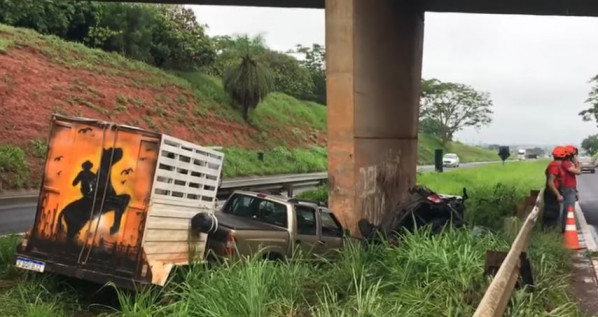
{"points": [[331, 232], [306, 230]]}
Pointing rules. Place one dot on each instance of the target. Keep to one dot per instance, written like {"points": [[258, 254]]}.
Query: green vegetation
{"points": [[239, 162], [319, 194], [39, 148], [590, 144], [494, 189], [247, 84], [13, 170], [164, 36]]}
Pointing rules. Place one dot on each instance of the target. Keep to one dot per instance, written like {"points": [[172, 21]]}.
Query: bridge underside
{"points": [[533, 7], [374, 58]]}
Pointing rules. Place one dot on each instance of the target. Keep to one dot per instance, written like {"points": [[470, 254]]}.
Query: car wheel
{"points": [[593, 171]]}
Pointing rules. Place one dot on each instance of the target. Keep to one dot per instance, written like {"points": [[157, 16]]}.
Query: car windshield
{"points": [[450, 156], [257, 209]]}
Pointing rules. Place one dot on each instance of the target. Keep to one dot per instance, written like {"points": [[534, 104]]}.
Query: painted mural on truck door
{"points": [[96, 188]]}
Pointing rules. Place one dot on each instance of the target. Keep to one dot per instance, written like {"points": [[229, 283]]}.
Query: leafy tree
{"points": [[179, 41], [314, 60], [590, 144], [592, 112], [453, 107], [287, 75], [163, 35], [231, 49], [47, 17], [248, 84], [134, 26], [430, 127]]}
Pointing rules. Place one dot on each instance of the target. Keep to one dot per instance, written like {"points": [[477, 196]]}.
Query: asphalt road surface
{"points": [[16, 219], [19, 218], [587, 185]]}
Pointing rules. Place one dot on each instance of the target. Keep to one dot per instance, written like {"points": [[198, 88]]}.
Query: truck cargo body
{"points": [[115, 203]]}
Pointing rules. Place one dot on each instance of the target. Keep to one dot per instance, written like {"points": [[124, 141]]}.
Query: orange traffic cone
{"points": [[571, 240]]}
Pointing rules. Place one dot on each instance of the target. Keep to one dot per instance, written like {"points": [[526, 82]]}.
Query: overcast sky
{"points": [[535, 68]]}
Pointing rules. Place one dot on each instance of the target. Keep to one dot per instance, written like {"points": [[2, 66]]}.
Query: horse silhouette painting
{"points": [[98, 194]]}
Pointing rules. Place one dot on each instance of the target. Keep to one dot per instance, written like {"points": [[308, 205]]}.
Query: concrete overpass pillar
{"points": [[374, 57]]}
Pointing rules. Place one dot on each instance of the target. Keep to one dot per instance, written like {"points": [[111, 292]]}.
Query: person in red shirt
{"points": [[569, 187], [552, 194]]}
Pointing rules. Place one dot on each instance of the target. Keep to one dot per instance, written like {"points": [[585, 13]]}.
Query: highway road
{"points": [[587, 185], [16, 218]]}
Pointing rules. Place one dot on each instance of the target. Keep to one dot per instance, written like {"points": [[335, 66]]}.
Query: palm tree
{"points": [[247, 84]]}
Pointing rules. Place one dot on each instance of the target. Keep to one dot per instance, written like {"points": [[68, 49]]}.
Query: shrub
{"points": [[13, 169]]}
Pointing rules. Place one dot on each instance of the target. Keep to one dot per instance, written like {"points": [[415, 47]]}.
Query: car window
{"points": [[257, 209], [330, 226], [306, 220]]}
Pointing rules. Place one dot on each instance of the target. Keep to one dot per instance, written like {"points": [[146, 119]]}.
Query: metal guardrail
{"points": [[273, 183], [496, 298]]}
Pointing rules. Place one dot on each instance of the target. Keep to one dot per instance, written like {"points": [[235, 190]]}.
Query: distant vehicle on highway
{"points": [[450, 160], [587, 164], [521, 154]]}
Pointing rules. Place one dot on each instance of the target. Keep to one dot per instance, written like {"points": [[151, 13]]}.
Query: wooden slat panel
{"points": [[181, 213], [161, 224], [157, 235], [169, 247]]}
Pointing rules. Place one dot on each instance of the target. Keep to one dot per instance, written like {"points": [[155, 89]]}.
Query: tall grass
{"points": [[440, 275], [280, 160]]}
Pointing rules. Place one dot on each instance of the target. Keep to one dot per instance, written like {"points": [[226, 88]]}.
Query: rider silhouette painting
{"points": [[87, 179]]}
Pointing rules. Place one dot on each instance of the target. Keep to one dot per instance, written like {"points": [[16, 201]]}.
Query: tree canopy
{"points": [[592, 112], [167, 36], [449, 107], [590, 144]]}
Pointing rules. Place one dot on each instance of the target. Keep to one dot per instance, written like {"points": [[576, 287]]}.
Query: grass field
{"points": [[440, 275], [280, 160]]}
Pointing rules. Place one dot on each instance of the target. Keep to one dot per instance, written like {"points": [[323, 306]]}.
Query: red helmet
{"points": [[571, 149], [560, 152]]}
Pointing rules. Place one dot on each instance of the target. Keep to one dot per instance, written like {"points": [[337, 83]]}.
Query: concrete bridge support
{"points": [[374, 57]]}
